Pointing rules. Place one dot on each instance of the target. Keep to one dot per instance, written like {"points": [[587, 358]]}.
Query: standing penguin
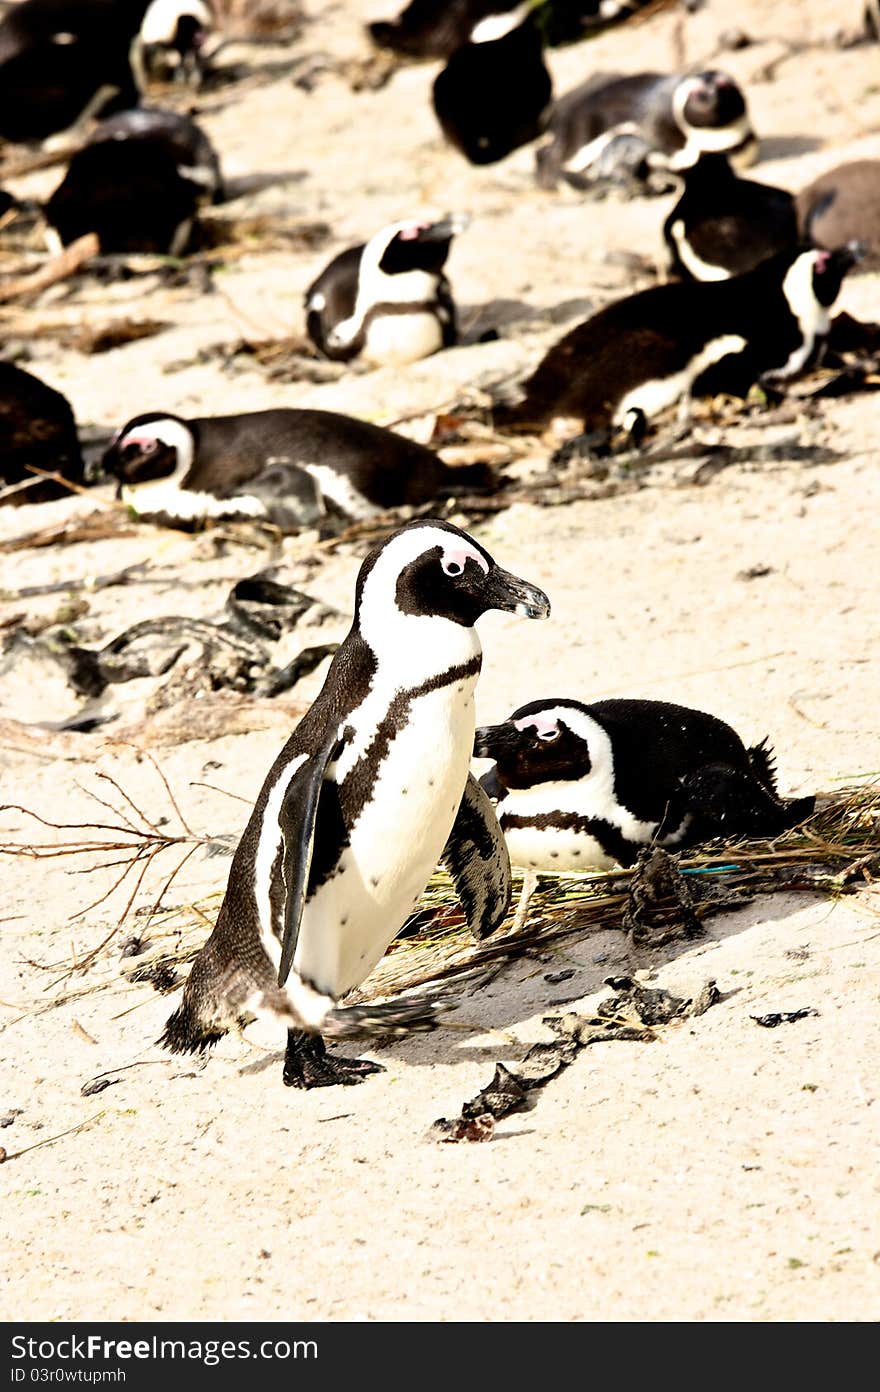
{"points": [[387, 300], [587, 787], [844, 205], [288, 466], [643, 353], [369, 792], [138, 183], [644, 122], [37, 429], [494, 93], [723, 225]]}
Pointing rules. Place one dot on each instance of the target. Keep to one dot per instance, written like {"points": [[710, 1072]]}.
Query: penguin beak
{"points": [[505, 591], [445, 229], [494, 741]]}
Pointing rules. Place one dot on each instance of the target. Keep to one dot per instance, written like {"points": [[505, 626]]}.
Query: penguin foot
{"points": [[308, 1065]]}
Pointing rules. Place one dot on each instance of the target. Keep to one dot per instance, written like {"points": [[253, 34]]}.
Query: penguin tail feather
{"points": [[762, 762], [798, 810], [388, 1019], [184, 1033]]}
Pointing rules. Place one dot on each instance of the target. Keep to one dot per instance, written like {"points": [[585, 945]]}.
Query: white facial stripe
{"points": [[375, 287], [541, 724], [814, 319], [654, 396], [172, 433], [495, 26], [159, 24], [417, 646]]}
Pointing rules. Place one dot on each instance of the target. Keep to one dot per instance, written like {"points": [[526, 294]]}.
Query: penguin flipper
{"points": [[297, 818], [476, 857]]}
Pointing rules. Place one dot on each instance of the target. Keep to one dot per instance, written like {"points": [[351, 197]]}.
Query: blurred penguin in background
{"points": [[494, 93]]}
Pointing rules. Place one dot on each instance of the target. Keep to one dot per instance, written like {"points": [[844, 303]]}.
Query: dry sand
{"points": [[726, 1172]]}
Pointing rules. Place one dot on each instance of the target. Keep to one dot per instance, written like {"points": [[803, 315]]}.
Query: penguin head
{"points": [[430, 570], [414, 246], [829, 269], [151, 446], [172, 38], [543, 742], [707, 100]]}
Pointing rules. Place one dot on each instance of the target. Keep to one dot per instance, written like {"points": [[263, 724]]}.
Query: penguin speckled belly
{"points": [[843, 205], [494, 93], [586, 787], [369, 792], [723, 225], [647, 351], [647, 122], [388, 300], [286, 465], [37, 429]]}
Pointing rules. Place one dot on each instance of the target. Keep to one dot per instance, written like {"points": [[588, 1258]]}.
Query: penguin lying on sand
{"points": [[647, 351], [723, 225], [844, 205], [64, 61], [386, 300], [587, 787], [288, 466], [36, 428], [138, 183], [494, 93], [370, 791], [646, 122], [433, 28]]}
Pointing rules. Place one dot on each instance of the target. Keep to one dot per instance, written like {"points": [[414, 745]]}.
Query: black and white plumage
{"points": [[494, 93], [64, 61], [587, 787], [370, 791], [844, 205], [37, 430], [288, 466], [635, 126], [387, 300], [436, 28], [172, 41], [723, 225], [139, 183], [643, 353]]}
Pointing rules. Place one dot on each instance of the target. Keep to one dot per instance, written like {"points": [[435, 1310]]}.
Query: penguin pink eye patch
{"points": [[822, 260], [544, 729], [146, 443], [412, 230], [456, 558]]}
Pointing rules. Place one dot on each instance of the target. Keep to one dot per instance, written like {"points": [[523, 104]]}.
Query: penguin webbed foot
{"points": [[308, 1065]]}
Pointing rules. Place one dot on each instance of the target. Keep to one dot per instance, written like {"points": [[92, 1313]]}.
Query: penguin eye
{"points": [[452, 567], [548, 735]]}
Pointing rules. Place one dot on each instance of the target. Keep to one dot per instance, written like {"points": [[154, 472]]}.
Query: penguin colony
{"points": [[374, 786]]}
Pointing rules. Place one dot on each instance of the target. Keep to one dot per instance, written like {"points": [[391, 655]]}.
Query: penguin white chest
{"points": [[402, 338], [395, 843], [555, 849]]}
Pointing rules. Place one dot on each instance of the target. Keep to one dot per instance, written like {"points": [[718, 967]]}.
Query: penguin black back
{"points": [[723, 225], [494, 94], [355, 467], [138, 184], [619, 774], [646, 351], [37, 428]]}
